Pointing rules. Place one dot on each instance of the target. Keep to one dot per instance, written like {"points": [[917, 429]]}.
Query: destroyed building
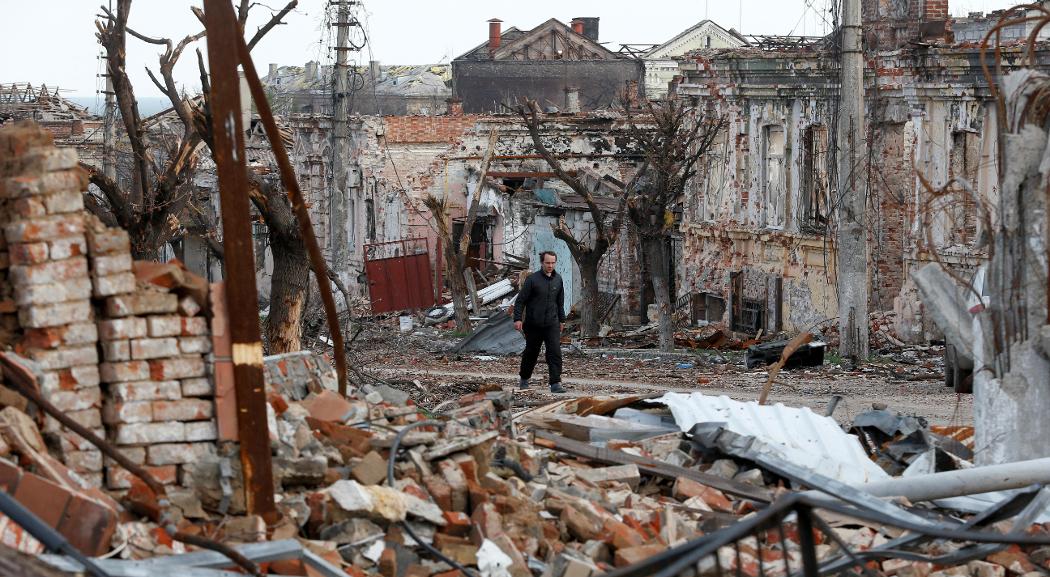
{"points": [[661, 61], [758, 246], [544, 64]]}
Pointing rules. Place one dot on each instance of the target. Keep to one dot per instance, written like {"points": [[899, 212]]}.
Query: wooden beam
{"points": [[242, 297], [649, 466], [525, 174]]}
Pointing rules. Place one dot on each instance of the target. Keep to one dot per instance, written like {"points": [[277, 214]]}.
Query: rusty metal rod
{"points": [[242, 300], [18, 378], [295, 195]]}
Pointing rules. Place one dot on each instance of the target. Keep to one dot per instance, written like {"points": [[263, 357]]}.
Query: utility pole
{"points": [[852, 251], [109, 121], [339, 200]]}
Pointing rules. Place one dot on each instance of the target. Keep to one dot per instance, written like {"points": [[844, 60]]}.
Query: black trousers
{"points": [[534, 338]]}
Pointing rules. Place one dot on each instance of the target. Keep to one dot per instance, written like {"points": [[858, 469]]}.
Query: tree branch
{"points": [[475, 202], [274, 21]]}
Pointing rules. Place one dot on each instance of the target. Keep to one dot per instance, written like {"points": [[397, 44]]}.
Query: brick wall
{"points": [[418, 129]]}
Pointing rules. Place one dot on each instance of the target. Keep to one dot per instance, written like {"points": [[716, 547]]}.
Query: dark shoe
{"points": [[556, 388], [523, 384]]}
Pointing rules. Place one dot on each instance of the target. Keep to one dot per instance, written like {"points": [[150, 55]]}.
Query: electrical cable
{"points": [[390, 481]]}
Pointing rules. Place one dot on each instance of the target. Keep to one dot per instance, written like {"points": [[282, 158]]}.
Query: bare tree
{"points": [[158, 196], [455, 254], [607, 223], [674, 137]]}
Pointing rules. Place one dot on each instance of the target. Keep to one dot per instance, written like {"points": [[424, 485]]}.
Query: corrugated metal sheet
{"points": [[799, 435]]}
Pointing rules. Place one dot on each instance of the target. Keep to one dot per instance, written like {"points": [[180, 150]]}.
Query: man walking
{"points": [[541, 303]]}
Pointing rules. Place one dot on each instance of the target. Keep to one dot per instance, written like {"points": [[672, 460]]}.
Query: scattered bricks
{"points": [[177, 453], [201, 431], [54, 315], [154, 348], [194, 345], [177, 368], [115, 413], [112, 264], [84, 461], [150, 433], [69, 401], [128, 328], [114, 351], [117, 284], [71, 290], [141, 303], [70, 379], [118, 478], [370, 470], [188, 306], [62, 358], [145, 391], [620, 535], [45, 499], [582, 525], [199, 387], [457, 524], [685, 489], [53, 337], [628, 474], [125, 371], [184, 410], [194, 326], [977, 568], [108, 241], [462, 553], [632, 555], [457, 483], [88, 525], [441, 492], [164, 326], [1015, 561], [487, 521], [22, 186]]}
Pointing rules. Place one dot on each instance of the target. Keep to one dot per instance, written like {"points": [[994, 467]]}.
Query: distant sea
{"points": [[148, 105]]}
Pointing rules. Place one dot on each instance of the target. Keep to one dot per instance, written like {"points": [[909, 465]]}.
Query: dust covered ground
{"points": [[422, 363]]}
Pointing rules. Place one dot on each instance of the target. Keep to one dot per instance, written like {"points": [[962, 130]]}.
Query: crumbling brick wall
{"points": [[120, 352]]}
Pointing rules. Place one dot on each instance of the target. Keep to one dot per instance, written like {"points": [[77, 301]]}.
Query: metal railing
{"points": [[782, 541]]}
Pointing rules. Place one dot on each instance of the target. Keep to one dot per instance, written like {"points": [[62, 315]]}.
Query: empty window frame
{"points": [[716, 178], [774, 191], [814, 199], [962, 168]]}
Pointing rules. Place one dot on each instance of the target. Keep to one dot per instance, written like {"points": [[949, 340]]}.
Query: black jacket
{"points": [[541, 300]]}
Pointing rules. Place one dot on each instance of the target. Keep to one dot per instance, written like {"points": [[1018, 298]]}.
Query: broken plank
{"points": [[649, 466]]}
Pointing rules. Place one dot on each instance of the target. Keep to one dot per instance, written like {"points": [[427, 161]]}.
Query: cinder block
{"points": [[141, 303], [120, 329], [154, 348]]}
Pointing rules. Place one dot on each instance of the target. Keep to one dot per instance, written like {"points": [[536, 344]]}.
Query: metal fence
{"points": [[783, 539]]}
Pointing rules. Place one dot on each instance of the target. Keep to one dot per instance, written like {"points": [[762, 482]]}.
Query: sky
{"points": [[53, 41]]}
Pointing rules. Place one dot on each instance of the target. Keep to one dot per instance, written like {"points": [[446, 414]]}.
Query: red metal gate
{"points": [[399, 276]]}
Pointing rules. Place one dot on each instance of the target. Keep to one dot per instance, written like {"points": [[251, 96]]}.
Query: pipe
{"points": [[832, 405], [964, 482]]}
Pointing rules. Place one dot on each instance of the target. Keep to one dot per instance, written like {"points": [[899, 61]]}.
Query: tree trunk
{"points": [[589, 295], [291, 276], [656, 257], [459, 288]]}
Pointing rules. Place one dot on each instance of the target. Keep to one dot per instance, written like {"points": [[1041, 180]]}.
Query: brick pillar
{"points": [[44, 234], [935, 10]]}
